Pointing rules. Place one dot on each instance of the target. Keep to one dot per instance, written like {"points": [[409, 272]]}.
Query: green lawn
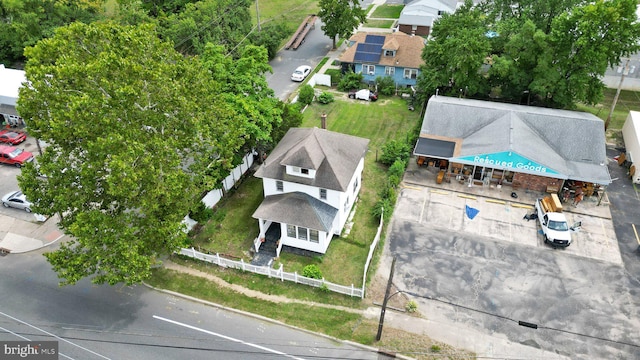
{"points": [[387, 11], [291, 12], [628, 100], [233, 230], [381, 24]]}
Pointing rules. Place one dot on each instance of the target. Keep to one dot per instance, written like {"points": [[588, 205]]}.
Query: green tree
{"points": [[340, 17], [222, 22], [455, 55], [24, 22], [134, 130], [548, 53], [270, 37], [244, 88], [305, 97]]}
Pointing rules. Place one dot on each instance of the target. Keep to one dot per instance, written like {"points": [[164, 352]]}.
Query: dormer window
{"points": [[300, 171], [389, 53]]}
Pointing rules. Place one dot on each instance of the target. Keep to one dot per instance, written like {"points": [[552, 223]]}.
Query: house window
{"points": [[355, 186], [389, 53], [305, 171], [302, 233], [346, 205], [410, 73], [279, 185], [291, 231], [323, 194], [313, 236], [414, 27], [295, 169], [389, 70], [369, 69]]}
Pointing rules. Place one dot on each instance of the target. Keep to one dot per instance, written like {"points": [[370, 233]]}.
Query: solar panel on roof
{"points": [[374, 39], [368, 53]]}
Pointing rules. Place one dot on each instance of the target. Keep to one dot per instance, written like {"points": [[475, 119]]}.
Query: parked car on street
{"points": [[12, 137], [364, 94], [17, 200], [301, 73], [12, 155]]}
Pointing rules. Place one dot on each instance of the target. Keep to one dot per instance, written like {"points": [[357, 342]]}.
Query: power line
{"points": [[524, 323]]}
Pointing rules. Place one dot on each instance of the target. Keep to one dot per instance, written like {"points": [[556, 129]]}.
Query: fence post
{"points": [[242, 262], [295, 277], [193, 251], [218, 257], [281, 272], [269, 271]]}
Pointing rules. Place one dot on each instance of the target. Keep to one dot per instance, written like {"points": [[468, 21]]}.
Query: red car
{"points": [[14, 156], [12, 137]]}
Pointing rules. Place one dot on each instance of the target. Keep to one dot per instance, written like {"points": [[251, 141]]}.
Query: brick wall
{"points": [[534, 182]]}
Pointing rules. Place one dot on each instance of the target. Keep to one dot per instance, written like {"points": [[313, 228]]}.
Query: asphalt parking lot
{"points": [[476, 279], [9, 182]]}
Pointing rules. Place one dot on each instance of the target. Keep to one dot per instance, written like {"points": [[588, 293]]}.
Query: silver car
{"points": [[16, 200]]}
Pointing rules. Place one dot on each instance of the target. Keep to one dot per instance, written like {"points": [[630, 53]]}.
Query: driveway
{"points": [[311, 52], [478, 278]]}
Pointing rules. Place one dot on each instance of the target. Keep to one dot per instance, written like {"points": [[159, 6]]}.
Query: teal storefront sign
{"points": [[506, 160]]}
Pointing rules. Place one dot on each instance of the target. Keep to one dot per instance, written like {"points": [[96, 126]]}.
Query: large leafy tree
{"points": [[223, 22], [24, 22], [555, 52], [340, 17], [134, 134]]}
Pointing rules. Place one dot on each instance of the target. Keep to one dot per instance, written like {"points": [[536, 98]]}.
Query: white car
{"points": [[301, 73], [16, 200]]}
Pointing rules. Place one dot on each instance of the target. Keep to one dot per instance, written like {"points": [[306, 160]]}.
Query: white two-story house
{"points": [[311, 181]]}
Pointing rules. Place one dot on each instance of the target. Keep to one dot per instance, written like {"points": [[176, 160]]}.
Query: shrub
{"points": [[201, 213], [350, 81], [411, 306], [306, 95], [386, 85], [397, 168], [325, 98], [312, 271], [394, 150]]}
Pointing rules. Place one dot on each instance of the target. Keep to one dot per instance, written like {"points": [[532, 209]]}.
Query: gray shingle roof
{"points": [[569, 142], [297, 208], [333, 155]]}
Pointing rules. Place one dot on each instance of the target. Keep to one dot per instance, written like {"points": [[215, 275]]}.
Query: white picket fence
{"points": [[282, 275], [272, 273]]}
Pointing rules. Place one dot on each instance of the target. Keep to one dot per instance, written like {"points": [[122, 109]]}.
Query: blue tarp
{"points": [[471, 212]]}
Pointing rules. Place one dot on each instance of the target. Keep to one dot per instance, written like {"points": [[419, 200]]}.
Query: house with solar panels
{"points": [[396, 55], [311, 181]]}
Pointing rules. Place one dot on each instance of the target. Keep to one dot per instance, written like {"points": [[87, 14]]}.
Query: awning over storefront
{"points": [[436, 147]]}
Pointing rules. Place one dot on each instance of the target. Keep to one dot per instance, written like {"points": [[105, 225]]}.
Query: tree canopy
{"points": [[340, 17], [135, 133], [24, 22], [546, 53]]}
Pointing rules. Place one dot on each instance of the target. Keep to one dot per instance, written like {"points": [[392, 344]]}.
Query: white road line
{"points": [[54, 336], [27, 339], [226, 337]]}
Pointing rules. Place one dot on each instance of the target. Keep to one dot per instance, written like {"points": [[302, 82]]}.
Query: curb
{"points": [[277, 322]]}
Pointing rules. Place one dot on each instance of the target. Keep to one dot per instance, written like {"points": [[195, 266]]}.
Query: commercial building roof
{"points": [[10, 82], [564, 144]]}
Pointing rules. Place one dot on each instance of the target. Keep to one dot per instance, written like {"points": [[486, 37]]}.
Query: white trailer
{"points": [[631, 136]]}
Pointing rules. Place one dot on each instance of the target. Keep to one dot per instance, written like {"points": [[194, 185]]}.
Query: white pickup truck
{"points": [[555, 227]]}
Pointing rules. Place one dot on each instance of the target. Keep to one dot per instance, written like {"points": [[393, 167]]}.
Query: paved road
{"points": [[103, 322], [578, 303], [311, 52]]}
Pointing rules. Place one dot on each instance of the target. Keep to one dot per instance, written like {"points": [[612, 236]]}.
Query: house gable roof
{"points": [[333, 155], [569, 142], [297, 208], [425, 12], [408, 54]]}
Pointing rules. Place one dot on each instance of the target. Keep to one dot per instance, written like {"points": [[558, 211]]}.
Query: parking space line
{"points": [[496, 201], [467, 197]]}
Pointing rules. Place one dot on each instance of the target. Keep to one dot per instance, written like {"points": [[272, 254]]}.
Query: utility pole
{"points": [[625, 71], [386, 298], [258, 15]]}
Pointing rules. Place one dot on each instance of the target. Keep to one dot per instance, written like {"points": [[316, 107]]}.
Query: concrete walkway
{"points": [[20, 236]]}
